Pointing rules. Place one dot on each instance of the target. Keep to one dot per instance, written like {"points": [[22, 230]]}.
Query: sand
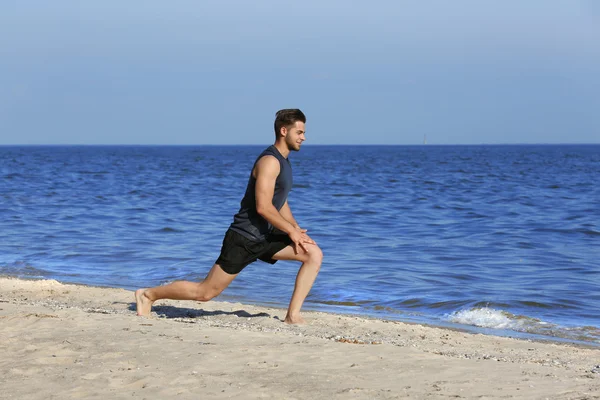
{"points": [[61, 341]]}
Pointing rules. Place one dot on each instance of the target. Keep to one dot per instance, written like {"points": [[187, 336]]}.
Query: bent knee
{"points": [[315, 254]]}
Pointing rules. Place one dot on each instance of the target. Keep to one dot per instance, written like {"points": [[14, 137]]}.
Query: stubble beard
{"points": [[293, 146]]}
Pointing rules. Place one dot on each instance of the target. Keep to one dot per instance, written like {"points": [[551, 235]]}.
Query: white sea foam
{"points": [[486, 318]]}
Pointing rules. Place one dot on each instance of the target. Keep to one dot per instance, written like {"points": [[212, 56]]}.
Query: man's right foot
{"points": [[143, 303]]}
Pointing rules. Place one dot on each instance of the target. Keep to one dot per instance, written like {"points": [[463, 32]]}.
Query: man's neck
{"points": [[283, 148]]}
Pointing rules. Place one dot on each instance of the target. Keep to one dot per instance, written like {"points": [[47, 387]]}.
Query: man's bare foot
{"points": [[143, 303], [294, 320]]}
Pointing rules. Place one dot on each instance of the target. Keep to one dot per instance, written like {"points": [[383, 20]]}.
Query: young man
{"points": [[264, 229]]}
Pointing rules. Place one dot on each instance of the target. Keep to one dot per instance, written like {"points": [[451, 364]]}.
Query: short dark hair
{"points": [[287, 117]]}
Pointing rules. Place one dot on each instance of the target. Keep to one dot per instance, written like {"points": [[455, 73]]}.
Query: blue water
{"points": [[506, 238]]}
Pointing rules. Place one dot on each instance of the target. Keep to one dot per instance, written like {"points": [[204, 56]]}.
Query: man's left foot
{"points": [[294, 320]]}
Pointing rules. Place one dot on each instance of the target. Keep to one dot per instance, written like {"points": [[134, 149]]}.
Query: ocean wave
{"points": [[485, 317], [22, 269]]}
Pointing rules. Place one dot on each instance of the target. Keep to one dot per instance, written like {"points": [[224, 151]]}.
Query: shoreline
{"points": [[78, 341], [329, 309]]}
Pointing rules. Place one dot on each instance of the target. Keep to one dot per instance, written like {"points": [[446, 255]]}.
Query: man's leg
{"points": [[216, 281], [311, 263]]}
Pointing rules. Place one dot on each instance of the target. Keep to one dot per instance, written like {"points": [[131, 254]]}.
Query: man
{"points": [[264, 228]]}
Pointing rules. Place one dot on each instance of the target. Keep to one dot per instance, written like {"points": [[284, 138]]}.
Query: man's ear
{"points": [[283, 131]]}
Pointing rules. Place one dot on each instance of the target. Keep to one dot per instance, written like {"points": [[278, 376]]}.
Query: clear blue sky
{"points": [[215, 72]]}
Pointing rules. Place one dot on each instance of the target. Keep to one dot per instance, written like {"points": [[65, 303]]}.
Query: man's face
{"points": [[294, 135]]}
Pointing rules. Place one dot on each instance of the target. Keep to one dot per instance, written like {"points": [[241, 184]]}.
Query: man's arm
{"points": [[266, 172], [286, 213]]}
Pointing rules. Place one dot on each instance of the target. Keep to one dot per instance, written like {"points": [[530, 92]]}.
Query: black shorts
{"points": [[238, 251]]}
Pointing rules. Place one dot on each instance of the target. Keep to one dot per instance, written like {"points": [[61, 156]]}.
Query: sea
{"points": [[495, 239]]}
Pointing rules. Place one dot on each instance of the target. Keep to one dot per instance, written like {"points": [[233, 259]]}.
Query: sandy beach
{"points": [[60, 341]]}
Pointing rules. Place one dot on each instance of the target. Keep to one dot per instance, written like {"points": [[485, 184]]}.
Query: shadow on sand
{"points": [[182, 312]]}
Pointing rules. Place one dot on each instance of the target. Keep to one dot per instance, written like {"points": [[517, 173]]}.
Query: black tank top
{"points": [[247, 221]]}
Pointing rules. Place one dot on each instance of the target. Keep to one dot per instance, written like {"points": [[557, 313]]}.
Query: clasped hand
{"points": [[300, 239]]}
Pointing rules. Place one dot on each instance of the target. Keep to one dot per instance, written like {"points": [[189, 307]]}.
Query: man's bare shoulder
{"points": [[267, 165]]}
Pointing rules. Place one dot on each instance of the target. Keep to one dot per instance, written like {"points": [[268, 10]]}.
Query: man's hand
{"points": [[300, 238]]}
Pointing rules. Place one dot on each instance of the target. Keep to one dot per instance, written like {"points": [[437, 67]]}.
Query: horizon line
{"points": [[308, 144]]}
